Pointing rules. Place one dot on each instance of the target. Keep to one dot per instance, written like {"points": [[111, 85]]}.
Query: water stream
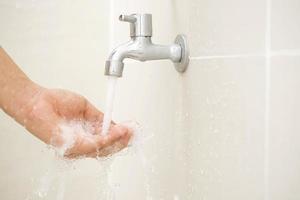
{"points": [[111, 89]]}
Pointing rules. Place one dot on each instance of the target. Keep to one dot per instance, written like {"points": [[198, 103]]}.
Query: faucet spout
{"points": [[114, 65], [141, 48]]}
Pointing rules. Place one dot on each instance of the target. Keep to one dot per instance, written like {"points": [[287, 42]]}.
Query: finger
{"points": [[87, 145], [104, 152], [117, 146], [94, 116], [82, 146], [125, 140], [115, 133], [93, 150], [118, 136]]}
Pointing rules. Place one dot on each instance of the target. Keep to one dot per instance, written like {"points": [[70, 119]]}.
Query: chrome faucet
{"points": [[141, 48]]}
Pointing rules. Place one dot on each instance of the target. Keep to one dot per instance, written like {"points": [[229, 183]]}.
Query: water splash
{"points": [[68, 132], [136, 147], [108, 189], [137, 144], [55, 178], [56, 173], [61, 187], [45, 185]]}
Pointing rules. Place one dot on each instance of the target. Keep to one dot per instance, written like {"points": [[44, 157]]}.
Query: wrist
{"points": [[16, 89], [17, 97]]}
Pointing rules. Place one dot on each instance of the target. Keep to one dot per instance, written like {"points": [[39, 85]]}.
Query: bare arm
{"points": [[16, 88], [43, 110]]}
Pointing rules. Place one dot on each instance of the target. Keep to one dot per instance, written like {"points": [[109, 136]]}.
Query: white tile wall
{"points": [[285, 128], [226, 27], [285, 24], [283, 151], [224, 103], [209, 126]]}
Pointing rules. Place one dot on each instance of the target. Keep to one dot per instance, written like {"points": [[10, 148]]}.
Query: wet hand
{"points": [[50, 111]]}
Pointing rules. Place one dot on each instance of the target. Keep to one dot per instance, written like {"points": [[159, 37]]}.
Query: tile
{"points": [[226, 27], [285, 24], [284, 129], [64, 44], [56, 34], [224, 114]]}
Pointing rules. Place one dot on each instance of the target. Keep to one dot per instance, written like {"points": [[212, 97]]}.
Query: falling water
{"points": [[112, 81], [55, 177], [61, 187], [136, 142]]}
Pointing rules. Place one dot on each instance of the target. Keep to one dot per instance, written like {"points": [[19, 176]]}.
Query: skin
{"points": [[41, 111]]}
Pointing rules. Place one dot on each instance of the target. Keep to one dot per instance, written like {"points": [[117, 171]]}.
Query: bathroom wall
{"points": [[241, 98], [225, 89], [284, 72], [226, 129]]}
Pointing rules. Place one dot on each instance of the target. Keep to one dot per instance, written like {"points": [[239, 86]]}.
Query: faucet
{"points": [[140, 47]]}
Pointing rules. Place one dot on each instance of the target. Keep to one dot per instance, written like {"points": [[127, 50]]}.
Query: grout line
{"points": [[225, 56], [286, 52], [267, 99], [269, 54]]}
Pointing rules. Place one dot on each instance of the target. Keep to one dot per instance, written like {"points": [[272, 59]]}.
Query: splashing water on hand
{"points": [[69, 131]]}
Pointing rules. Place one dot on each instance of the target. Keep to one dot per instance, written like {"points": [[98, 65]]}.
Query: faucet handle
{"points": [[140, 24]]}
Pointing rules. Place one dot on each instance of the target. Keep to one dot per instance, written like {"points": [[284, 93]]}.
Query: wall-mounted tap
{"points": [[140, 47]]}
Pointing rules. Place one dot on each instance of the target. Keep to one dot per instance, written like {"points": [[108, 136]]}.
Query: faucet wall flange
{"points": [[182, 65]]}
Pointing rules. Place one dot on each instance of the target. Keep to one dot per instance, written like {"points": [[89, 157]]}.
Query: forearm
{"points": [[16, 89]]}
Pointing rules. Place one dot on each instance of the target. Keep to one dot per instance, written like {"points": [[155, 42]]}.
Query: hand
{"points": [[70, 123], [60, 118]]}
